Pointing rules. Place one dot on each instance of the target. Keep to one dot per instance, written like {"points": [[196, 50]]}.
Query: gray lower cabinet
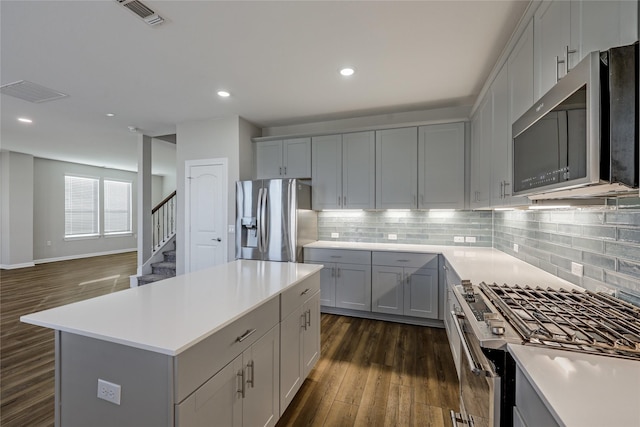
{"points": [[530, 409], [345, 280], [243, 393], [405, 284]]}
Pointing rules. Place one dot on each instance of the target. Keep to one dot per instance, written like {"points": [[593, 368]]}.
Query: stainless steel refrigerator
{"points": [[274, 219]]}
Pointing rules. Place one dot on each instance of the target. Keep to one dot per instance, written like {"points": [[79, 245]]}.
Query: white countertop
{"points": [[472, 263], [172, 315], [582, 389]]}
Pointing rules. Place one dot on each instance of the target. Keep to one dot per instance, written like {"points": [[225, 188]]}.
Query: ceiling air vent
{"points": [[31, 92], [143, 11]]}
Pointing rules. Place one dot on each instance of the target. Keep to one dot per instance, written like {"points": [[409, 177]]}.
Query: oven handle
{"points": [[475, 367]]}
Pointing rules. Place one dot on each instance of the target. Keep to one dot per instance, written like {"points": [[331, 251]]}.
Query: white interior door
{"points": [[206, 214]]}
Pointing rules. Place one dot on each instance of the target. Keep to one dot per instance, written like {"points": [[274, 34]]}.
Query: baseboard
{"points": [[80, 256], [409, 320], [14, 266]]}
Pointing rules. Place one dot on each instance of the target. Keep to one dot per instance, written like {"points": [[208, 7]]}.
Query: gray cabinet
{"points": [[552, 40], [530, 407], [343, 171], [520, 66], [289, 158], [243, 393], [452, 307], [481, 131], [397, 168], [300, 347], [500, 140], [405, 284], [345, 280], [441, 166]]}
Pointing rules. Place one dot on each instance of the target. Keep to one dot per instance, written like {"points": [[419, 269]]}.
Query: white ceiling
{"points": [[279, 60]]}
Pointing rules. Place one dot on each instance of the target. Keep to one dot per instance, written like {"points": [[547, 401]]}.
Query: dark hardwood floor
{"points": [[370, 372], [374, 373], [26, 351]]}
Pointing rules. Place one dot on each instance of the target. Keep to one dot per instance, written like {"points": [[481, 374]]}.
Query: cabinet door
{"points": [[311, 335], [261, 406], [387, 293], [358, 170], [600, 25], [397, 168], [500, 140], [297, 158], [441, 166], [268, 159], [327, 283], [552, 34], [326, 172], [421, 293], [520, 70], [481, 155], [451, 306], [216, 402], [353, 286], [291, 369]]}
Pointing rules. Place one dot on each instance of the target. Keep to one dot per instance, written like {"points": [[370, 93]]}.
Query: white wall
{"points": [[228, 138], [48, 208], [16, 209]]}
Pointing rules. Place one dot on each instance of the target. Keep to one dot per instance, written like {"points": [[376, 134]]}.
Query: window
{"points": [[117, 207], [81, 210]]}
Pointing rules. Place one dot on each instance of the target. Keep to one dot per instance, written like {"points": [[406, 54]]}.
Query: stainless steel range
{"points": [[492, 315]]}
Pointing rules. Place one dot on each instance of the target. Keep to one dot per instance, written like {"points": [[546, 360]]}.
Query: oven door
{"points": [[479, 383]]}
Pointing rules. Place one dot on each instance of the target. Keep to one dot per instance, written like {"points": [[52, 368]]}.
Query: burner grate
{"points": [[574, 320]]}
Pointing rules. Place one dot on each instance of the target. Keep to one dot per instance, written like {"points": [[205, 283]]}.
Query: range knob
{"points": [[497, 327]]}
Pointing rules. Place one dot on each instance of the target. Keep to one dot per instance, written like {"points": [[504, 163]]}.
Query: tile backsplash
{"points": [[411, 227], [606, 241]]}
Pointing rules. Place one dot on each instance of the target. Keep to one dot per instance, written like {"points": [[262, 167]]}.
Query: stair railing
{"points": [[163, 218]]}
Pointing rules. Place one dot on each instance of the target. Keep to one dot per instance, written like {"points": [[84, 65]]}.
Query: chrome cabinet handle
{"points": [[344, 201], [402, 260], [250, 379], [245, 335], [285, 170], [339, 201], [303, 319], [307, 320], [259, 219], [505, 189], [280, 171], [567, 52], [502, 189], [306, 291], [333, 272], [240, 375], [338, 272]]}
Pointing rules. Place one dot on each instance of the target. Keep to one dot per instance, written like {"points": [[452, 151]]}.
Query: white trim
{"points": [[14, 266], [188, 164], [80, 256]]}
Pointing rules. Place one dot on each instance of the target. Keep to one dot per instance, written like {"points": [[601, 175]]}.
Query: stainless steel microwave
{"points": [[581, 138]]}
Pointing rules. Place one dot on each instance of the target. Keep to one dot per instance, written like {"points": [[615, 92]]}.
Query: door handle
{"points": [[250, 378], [217, 239]]}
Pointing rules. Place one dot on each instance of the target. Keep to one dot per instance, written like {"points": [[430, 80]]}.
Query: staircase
{"points": [[160, 270]]}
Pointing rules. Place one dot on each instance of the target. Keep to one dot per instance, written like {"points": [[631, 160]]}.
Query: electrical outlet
{"points": [[392, 237], [470, 239], [48, 242], [577, 269], [516, 248], [231, 228], [109, 391], [458, 239], [335, 235]]}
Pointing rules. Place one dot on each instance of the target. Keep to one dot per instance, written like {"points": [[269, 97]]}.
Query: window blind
{"points": [[81, 210], [117, 207]]}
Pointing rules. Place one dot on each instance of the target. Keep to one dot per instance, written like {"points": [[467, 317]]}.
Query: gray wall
{"points": [[605, 240], [48, 209], [16, 210], [208, 139], [412, 227]]}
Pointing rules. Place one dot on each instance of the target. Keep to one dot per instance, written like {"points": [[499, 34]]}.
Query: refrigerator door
{"points": [[249, 197], [280, 220]]}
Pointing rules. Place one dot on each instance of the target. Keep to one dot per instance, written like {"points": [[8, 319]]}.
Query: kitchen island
{"points": [[185, 348]]}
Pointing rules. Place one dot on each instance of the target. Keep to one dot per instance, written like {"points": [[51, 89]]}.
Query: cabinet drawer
{"points": [[403, 259], [199, 363], [298, 295], [344, 256]]}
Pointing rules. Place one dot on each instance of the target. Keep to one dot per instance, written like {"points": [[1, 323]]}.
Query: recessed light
{"points": [[347, 71], [110, 115], [24, 120], [223, 93]]}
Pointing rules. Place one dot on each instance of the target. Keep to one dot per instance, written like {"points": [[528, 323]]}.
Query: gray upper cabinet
{"points": [[289, 158], [552, 41], [500, 147], [567, 31], [343, 171], [481, 131], [397, 168], [520, 66], [441, 166]]}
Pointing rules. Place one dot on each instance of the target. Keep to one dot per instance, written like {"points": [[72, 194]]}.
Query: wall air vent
{"points": [[142, 10], [29, 91]]}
